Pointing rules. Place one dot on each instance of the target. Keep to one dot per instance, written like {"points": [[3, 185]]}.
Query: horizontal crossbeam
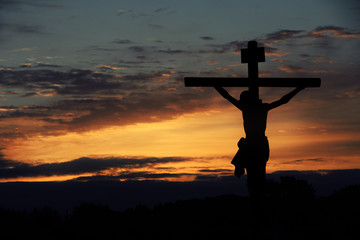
{"points": [[246, 82]]}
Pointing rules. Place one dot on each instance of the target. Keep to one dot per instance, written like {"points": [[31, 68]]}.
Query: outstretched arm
{"points": [[227, 96], [285, 99]]}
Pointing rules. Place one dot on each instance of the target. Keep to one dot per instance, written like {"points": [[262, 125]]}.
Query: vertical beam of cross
{"points": [[252, 55]]}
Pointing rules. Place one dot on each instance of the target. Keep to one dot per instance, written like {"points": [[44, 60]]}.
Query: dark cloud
{"points": [[85, 86], [4, 163], [8, 3], [304, 55], [22, 28], [12, 169], [75, 81], [283, 35], [140, 77], [207, 178], [135, 176], [136, 108], [46, 65], [207, 38], [171, 51], [320, 33], [91, 100], [137, 49], [125, 63], [121, 169], [25, 112], [97, 48], [42, 5], [123, 41], [160, 10], [272, 51], [300, 161], [134, 14], [9, 92], [16, 3], [31, 94], [141, 57], [335, 30], [230, 47]]}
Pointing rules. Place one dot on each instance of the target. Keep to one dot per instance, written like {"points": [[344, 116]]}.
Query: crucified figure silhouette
{"points": [[255, 146], [253, 152]]}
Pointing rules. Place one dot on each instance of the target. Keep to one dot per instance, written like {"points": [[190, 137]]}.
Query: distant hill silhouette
{"points": [[292, 212]]}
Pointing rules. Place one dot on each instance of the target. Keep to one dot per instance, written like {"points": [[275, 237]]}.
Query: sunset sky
{"points": [[94, 89]]}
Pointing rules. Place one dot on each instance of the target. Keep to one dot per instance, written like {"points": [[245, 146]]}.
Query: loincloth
{"points": [[251, 152]]}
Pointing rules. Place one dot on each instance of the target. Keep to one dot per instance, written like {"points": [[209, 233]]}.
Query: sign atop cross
{"points": [[251, 55]]}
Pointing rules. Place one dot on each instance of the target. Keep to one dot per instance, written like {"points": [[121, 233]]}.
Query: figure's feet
{"points": [[239, 171]]}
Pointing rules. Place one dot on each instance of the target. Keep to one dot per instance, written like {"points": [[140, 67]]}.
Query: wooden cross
{"points": [[251, 55]]}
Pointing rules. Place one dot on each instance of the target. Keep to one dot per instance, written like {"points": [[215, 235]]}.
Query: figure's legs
{"points": [[256, 177]]}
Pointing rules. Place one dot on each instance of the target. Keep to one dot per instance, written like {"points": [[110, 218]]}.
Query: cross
{"points": [[251, 55], [253, 150]]}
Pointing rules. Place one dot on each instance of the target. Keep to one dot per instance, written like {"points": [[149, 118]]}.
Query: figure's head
{"points": [[247, 98]]}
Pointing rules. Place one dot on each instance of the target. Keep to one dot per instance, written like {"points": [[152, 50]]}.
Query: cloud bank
{"points": [[94, 166]]}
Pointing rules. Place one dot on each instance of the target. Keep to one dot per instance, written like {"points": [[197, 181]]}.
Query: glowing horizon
{"points": [[192, 137]]}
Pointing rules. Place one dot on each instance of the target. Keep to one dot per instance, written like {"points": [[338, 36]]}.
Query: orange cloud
{"points": [[318, 71], [212, 62], [48, 93], [7, 109], [291, 69], [296, 69], [349, 94], [235, 64], [106, 67], [277, 60], [277, 54], [323, 59], [337, 32], [223, 69], [166, 75], [264, 74]]}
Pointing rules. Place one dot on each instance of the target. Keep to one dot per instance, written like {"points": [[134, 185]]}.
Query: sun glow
{"points": [[195, 135], [207, 139]]}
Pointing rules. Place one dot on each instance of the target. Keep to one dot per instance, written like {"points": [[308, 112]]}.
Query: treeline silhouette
{"points": [[292, 212]]}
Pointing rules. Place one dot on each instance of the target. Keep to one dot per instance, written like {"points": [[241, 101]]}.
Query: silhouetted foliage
{"points": [[292, 212], [290, 189]]}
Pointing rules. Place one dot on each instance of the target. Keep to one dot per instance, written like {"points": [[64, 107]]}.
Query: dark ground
{"points": [[292, 212]]}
